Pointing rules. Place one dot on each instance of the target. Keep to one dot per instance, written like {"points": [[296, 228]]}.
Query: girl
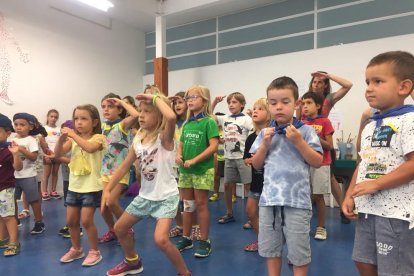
{"points": [[87, 146], [117, 133], [320, 84], [198, 143], [154, 147], [51, 165], [261, 118]]}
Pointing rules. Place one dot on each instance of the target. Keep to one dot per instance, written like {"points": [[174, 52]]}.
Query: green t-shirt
{"points": [[195, 137]]}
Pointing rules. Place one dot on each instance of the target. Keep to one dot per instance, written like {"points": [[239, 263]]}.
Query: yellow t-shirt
{"points": [[90, 182]]}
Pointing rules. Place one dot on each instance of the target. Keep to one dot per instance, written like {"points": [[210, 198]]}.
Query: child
{"points": [[116, 129], [51, 165], [9, 162], [321, 85], [87, 146], [198, 143], [26, 180], [261, 118], [382, 189], [236, 127], [219, 163], [320, 177], [285, 207], [155, 148]]}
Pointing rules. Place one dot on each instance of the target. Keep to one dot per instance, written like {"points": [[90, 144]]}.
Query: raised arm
{"points": [[130, 120], [346, 85], [216, 101]]}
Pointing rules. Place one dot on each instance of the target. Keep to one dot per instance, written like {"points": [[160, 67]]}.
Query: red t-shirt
{"points": [[7, 179], [323, 128]]}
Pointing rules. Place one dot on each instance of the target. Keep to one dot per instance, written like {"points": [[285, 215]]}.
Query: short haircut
{"points": [[120, 107], [402, 63], [284, 83], [315, 97], [239, 97]]}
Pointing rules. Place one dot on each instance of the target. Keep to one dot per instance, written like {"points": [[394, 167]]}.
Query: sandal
{"points": [[175, 231], [12, 249], [226, 219], [25, 213], [4, 243], [247, 225], [252, 247]]}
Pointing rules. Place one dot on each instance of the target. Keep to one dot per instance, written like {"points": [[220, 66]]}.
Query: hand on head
{"points": [[145, 97], [320, 74]]}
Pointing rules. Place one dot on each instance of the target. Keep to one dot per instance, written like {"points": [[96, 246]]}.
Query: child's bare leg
{"points": [[107, 215], [46, 174], [300, 270], [37, 210], [228, 192], [114, 205], [274, 266], [10, 224], [55, 170], [252, 209], [336, 190], [320, 208], [163, 242], [203, 214], [87, 214], [366, 269], [122, 226], [72, 221]]}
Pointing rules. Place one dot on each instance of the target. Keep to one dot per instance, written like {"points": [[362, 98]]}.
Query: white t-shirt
{"points": [[29, 167], [236, 130], [382, 151], [157, 170], [52, 137]]}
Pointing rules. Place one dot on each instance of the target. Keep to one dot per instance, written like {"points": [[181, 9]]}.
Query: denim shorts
{"points": [[141, 207], [92, 199], [254, 195], [29, 186], [278, 224], [386, 243]]}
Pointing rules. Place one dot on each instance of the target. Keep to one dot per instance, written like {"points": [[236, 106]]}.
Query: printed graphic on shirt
{"points": [[148, 169], [232, 134], [317, 128], [192, 137], [382, 136]]}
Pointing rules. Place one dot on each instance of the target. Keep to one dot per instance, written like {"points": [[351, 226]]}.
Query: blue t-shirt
{"points": [[286, 174]]}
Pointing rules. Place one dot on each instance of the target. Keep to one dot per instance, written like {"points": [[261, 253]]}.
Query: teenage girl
{"points": [[51, 165], [154, 147], [116, 129], [261, 119], [195, 155], [87, 146], [320, 84]]}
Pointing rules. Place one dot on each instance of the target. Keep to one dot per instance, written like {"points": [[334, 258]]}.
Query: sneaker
{"points": [[184, 243], [55, 195], [72, 255], [67, 235], [64, 231], [123, 268], [38, 228], [214, 197], [204, 249], [344, 219], [233, 198], [107, 237], [320, 233], [94, 257], [45, 196]]}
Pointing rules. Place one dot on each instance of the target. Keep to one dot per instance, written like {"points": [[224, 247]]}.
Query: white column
{"points": [[160, 37]]}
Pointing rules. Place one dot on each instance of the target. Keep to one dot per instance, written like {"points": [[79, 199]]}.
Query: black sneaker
{"points": [[39, 228], [63, 231], [67, 235]]}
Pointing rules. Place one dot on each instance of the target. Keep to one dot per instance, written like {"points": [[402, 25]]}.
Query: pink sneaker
{"points": [[107, 237], [72, 255], [123, 268], [94, 257]]}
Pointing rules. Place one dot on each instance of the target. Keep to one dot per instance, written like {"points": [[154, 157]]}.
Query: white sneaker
{"points": [[320, 233]]}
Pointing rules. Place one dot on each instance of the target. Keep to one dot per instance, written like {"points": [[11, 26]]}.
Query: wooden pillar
{"points": [[161, 74], [160, 62]]}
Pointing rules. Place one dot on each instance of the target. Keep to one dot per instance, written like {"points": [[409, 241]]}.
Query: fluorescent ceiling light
{"points": [[102, 5]]}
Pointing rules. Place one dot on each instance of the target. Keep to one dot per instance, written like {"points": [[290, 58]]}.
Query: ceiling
{"points": [[141, 13]]}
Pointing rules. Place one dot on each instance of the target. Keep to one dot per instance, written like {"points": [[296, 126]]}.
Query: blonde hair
{"points": [[204, 92], [262, 102], [153, 89], [142, 133]]}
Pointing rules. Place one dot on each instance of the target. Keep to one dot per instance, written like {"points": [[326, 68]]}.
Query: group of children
{"points": [[284, 160]]}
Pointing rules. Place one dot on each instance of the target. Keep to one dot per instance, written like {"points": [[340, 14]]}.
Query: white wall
{"points": [[72, 61], [251, 77]]}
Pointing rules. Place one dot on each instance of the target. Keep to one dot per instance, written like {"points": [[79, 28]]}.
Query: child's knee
{"points": [[162, 242]]}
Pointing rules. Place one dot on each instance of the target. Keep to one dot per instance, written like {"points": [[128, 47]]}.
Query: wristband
{"points": [[154, 99]]}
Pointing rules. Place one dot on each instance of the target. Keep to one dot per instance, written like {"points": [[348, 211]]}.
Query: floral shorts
{"points": [[7, 207]]}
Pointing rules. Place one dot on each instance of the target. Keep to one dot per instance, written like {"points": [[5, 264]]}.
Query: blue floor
{"points": [[40, 254]]}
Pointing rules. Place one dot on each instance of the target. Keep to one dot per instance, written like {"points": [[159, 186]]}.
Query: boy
{"points": [[285, 150], [236, 127], [320, 177], [382, 188], [9, 162]]}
